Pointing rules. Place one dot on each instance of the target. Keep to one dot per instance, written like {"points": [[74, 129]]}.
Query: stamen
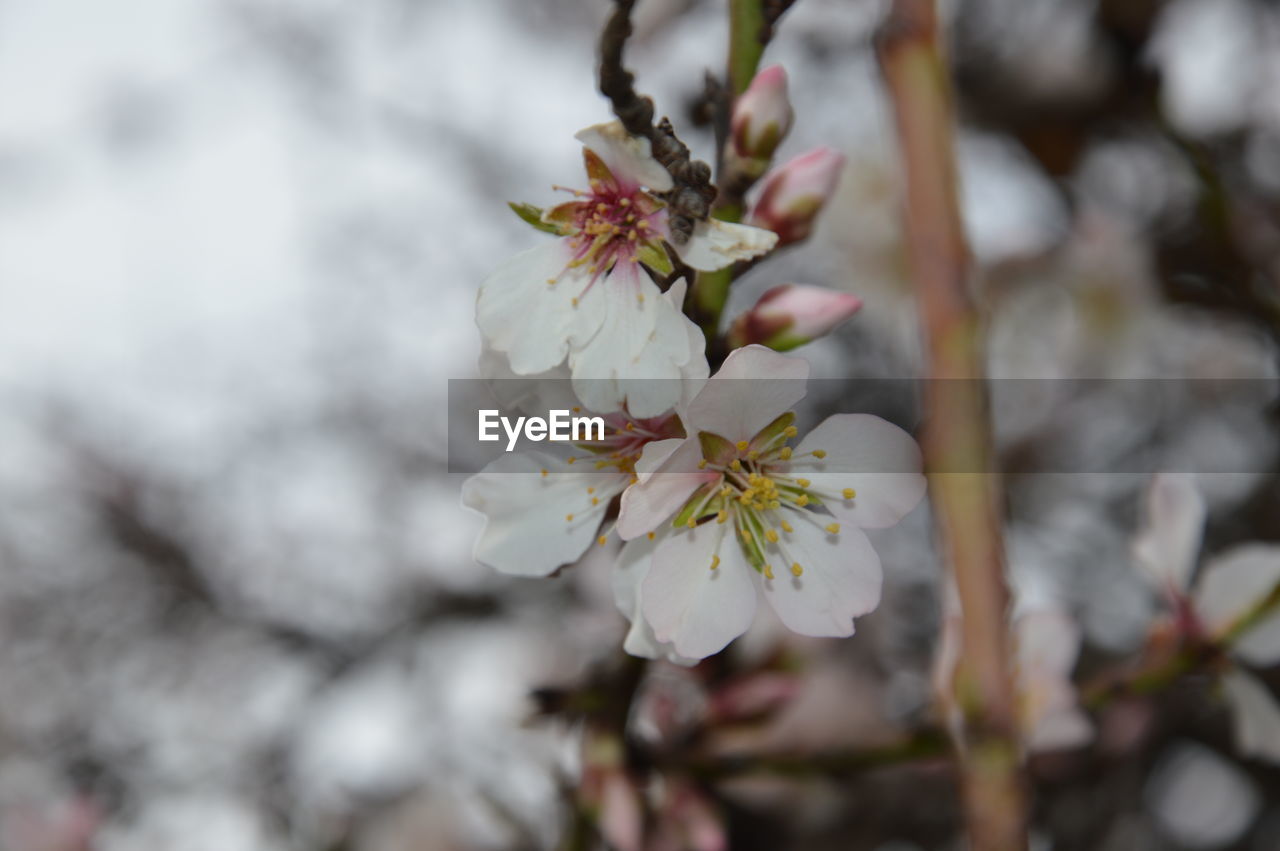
{"points": [[544, 472], [652, 535], [796, 569], [833, 528], [849, 493], [742, 445], [819, 454], [768, 571], [804, 483], [568, 518], [772, 535], [791, 431], [715, 561], [602, 540]]}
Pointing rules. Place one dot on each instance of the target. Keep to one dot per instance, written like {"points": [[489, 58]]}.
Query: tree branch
{"points": [[963, 487]]}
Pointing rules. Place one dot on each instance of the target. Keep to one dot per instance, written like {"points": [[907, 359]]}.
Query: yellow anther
{"points": [[595, 500], [570, 459], [796, 569], [722, 516], [591, 490], [833, 528], [630, 426], [568, 518], [551, 281], [785, 453], [652, 535], [626, 202], [849, 493], [691, 522], [702, 465], [600, 465], [786, 527], [802, 500], [768, 571], [725, 490], [735, 465], [576, 409], [544, 472], [574, 302], [640, 297], [602, 207], [819, 454], [715, 561], [772, 535], [804, 483], [790, 431], [742, 445], [642, 224], [602, 540], [774, 504], [753, 455]]}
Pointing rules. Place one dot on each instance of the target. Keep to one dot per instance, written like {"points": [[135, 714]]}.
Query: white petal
{"points": [[668, 476], [1167, 548], [880, 461], [532, 394], [752, 388], [840, 580], [628, 157], [716, 244], [1256, 715], [1232, 586], [636, 358], [1048, 642], [695, 371], [630, 569], [698, 609], [526, 532], [535, 323]]}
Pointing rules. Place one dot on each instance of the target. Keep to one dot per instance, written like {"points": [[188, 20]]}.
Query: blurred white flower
{"points": [[1232, 603]]}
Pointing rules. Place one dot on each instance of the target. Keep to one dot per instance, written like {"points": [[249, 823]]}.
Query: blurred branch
{"points": [[958, 430], [922, 745]]}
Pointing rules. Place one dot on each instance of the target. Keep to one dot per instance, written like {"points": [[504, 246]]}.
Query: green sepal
{"points": [[655, 257], [690, 509], [766, 435], [716, 449], [533, 216]]}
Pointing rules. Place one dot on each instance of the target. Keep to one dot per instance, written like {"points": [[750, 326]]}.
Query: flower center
{"points": [[756, 490]]}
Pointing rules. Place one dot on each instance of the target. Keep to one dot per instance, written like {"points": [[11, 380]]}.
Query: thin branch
{"points": [[689, 200], [957, 444]]}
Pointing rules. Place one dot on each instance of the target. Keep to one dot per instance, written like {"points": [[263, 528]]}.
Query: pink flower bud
{"points": [[791, 315], [761, 116], [792, 195]]}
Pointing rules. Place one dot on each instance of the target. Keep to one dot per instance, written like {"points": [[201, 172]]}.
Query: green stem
{"points": [[746, 25]]}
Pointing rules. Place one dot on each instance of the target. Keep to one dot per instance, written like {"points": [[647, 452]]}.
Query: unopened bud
{"points": [[791, 315], [761, 116], [792, 195]]}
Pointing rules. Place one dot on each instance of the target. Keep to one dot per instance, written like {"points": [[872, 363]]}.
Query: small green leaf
{"points": [[533, 215], [655, 257]]}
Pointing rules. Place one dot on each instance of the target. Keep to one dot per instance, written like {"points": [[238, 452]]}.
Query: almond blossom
{"points": [[732, 512], [586, 297], [1231, 603]]}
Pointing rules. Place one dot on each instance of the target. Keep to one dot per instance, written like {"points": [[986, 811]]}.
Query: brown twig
{"points": [[957, 438], [690, 199]]}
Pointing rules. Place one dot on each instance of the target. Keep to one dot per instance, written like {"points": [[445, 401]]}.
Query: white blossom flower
{"points": [[1046, 642], [543, 510], [732, 512], [586, 298], [1230, 604]]}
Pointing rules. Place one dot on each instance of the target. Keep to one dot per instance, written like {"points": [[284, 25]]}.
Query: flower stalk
{"points": [[963, 487]]}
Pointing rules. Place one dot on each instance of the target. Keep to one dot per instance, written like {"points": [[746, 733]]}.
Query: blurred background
{"points": [[240, 242]]}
